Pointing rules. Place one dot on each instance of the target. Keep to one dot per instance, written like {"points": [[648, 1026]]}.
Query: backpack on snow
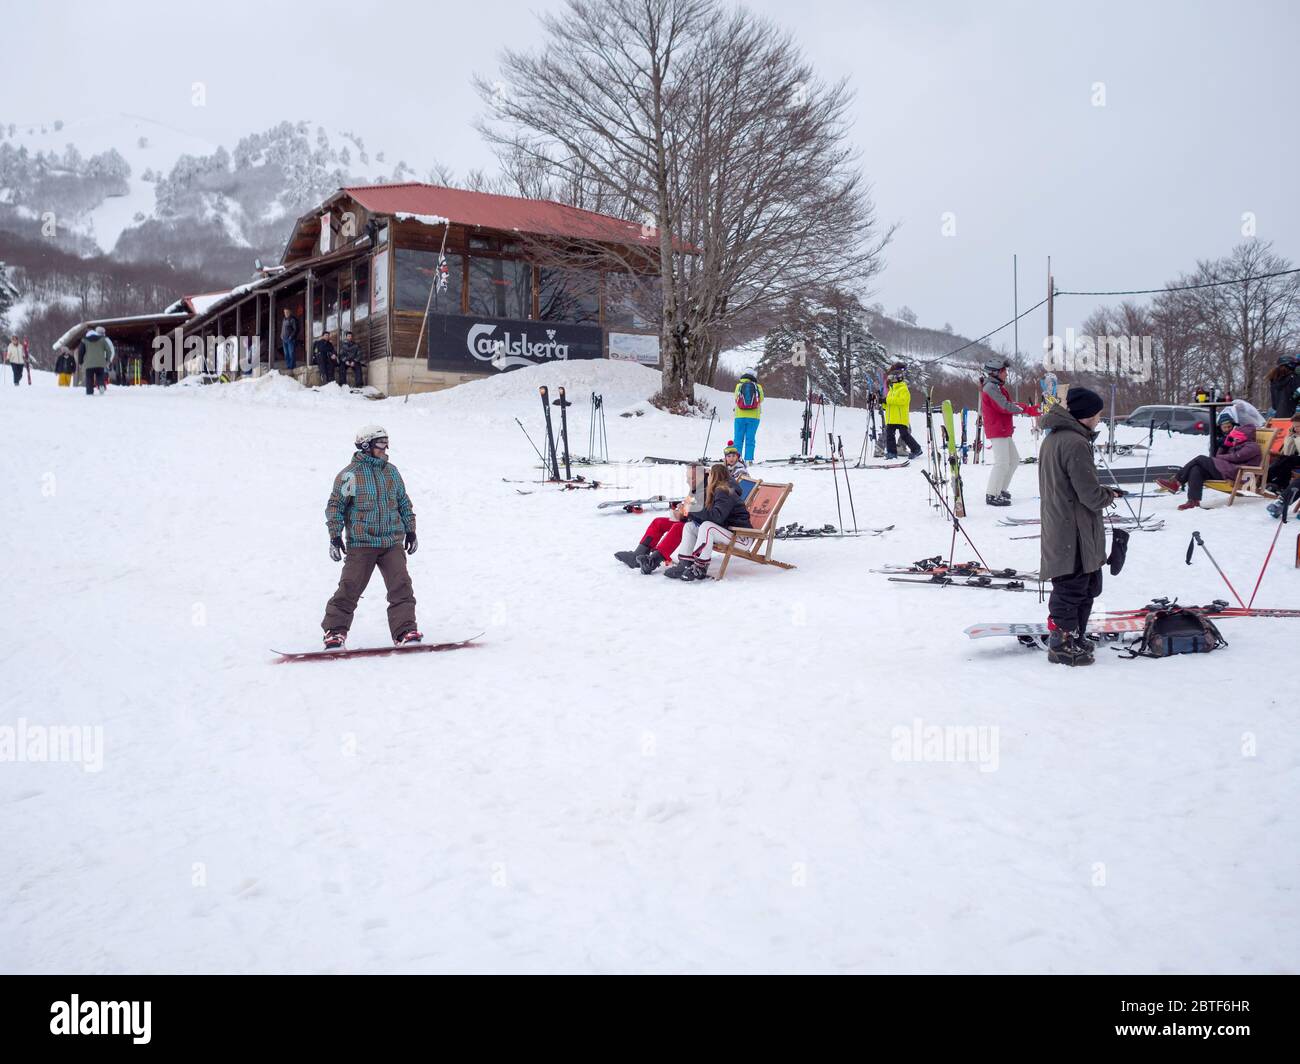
{"points": [[1176, 631], [747, 397]]}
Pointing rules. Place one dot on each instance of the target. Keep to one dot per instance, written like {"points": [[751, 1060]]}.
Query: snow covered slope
{"points": [[629, 774]]}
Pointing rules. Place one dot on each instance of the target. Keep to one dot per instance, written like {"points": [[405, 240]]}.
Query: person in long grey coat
{"points": [[1073, 546]]}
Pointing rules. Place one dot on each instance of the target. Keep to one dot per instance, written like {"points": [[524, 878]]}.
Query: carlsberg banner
{"points": [[477, 345]]}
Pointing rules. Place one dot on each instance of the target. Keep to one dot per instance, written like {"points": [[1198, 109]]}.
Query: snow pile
{"points": [[628, 774]]}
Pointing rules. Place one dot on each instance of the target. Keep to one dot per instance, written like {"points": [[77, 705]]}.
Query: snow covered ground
{"points": [[629, 774]]}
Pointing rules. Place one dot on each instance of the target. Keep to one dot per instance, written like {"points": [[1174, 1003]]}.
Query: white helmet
{"points": [[369, 434]]}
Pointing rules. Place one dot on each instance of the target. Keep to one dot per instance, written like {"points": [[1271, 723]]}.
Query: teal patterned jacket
{"points": [[369, 499]]}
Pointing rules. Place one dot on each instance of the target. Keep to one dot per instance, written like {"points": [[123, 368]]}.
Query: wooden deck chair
{"points": [[1257, 475], [764, 503]]}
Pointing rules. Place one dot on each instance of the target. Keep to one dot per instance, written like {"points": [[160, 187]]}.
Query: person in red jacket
{"points": [[997, 409], [1238, 449], [664, 534]]}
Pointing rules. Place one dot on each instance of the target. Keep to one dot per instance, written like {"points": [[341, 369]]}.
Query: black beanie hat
{"points": [[1083, 402]]}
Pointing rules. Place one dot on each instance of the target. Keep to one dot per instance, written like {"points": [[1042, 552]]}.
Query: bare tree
{"points": [[710, 127]]}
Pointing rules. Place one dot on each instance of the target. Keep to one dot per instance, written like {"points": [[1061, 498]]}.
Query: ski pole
{"points": [[708, 436], [530, 442], [1146, 464], [1196, 541], [955, 522], [1287, 499], [1122, 493], [848, 486], [838, 512]]}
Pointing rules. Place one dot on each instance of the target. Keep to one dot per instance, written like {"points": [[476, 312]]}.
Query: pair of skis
{"points": [[937, 564]]}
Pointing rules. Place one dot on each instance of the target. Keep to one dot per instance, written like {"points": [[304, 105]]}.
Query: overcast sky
{"points": [[982, 110]]}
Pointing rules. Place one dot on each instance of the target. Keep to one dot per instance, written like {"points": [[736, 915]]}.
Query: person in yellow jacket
{"points": [[748, 411], [898, 413]]}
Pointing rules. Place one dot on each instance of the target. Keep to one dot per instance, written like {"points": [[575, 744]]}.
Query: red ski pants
{"points": [[664, 535]]}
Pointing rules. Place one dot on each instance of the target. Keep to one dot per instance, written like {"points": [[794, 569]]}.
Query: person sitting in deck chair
{"points": [[660, 539], [705, 528], [1238, 449], [736, 467], [1286, 461]]}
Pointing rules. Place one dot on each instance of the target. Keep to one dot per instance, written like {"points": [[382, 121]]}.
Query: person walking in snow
{"points": [[748, 412], [65, 366], [351, 361], [94, 354], [369, 503], [663, 535], [289, 338], [708, 526], [15, 357], [1073, 545], [997, 408], [898, 414], [736, 467], [1239, 448]]}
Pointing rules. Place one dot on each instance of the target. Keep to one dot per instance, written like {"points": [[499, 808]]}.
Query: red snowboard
{"points": [[370, 652]]}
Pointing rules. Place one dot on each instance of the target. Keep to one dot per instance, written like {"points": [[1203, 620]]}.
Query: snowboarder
{"points": [[94, 354], [735, 464], [351, 361], [748, 411], [1284, 386], [996, 410], [14, 357], [65, 366], [709, 525], [289, 338], [663, 535], [1073, 546], [369, 500], [898, 414], [325, 357], [1238, 449]]}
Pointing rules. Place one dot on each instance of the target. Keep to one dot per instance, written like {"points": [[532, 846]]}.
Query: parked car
{"points": [[1186, 419]]}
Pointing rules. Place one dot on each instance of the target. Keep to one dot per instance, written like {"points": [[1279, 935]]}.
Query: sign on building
{"points": [[634, 347], [461, 344]]}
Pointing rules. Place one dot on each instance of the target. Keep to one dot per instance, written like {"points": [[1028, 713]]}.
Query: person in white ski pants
{"points": [[997, 408], [698, 541]]}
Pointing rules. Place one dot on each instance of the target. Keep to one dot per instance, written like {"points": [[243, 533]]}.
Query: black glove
{"points": [[337, 550], [1118, 550], [412, 544]]}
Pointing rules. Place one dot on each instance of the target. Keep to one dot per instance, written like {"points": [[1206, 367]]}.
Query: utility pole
{"points": [[1015, 302], [1051, 304]]}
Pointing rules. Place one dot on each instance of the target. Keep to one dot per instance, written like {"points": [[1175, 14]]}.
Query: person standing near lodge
{"points": [[1284, 387], [1073, 546], [351, 360], [65, 366], [369, 501], [747, 413], [14, 357], [94, 355], [898, 414], [997, 408], [289, 338], [325, 358]]}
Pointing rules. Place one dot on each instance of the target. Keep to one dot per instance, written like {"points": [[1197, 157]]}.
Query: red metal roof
{"points": [[537, 217]]}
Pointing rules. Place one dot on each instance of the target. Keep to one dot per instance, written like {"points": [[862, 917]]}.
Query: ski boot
{"points": [[650, 561], [408, 637], [632, 558], [336, 639], [996, 500]]}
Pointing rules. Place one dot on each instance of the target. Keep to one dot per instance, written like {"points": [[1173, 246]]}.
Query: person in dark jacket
{"points": [[325, 357], [709, 525], [351, 360], [662, 536], [289, 338], [65, 366], [1284, 386], [1238, 449], [1073, 545]]}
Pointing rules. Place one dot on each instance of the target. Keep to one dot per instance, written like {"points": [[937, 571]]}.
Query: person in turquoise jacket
{"points": [[747, 413]]}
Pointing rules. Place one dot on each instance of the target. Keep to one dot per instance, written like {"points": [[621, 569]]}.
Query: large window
{"points": [[568, 295], [632, 301], [500, 288], [362, 274], [415, 274]]}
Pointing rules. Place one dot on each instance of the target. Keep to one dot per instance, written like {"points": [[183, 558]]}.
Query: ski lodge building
{"points": [[525, 282]]}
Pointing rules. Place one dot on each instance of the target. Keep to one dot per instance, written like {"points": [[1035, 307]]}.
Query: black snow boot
{"points": [[651, 561], [996, 500], [632, 558], [681, 568], [1063, 648], [915, 454]]}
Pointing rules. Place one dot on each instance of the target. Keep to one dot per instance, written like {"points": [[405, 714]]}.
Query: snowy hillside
{"points": [[629, 773]]}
